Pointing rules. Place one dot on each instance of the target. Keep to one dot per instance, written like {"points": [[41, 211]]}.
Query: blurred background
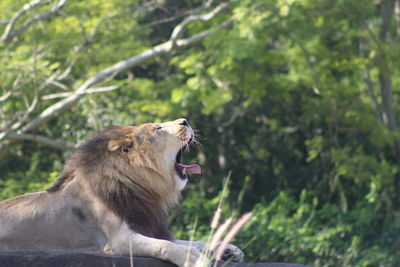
{"points": [[295, 100]]}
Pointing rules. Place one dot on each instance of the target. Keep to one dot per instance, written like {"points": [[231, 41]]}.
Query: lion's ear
{"points": [[114, 145]]}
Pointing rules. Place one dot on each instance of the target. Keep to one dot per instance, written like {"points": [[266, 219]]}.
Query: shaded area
{"points": [[66, 258]]}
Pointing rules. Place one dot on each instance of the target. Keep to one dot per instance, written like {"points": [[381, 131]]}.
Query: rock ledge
{"points": [[79, 258]]}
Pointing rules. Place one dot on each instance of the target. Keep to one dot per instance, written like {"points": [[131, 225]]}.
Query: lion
{"points": [[115, 194]]}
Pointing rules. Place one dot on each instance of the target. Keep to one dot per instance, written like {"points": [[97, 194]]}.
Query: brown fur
{"points": [[134, 185], [114, 194]]}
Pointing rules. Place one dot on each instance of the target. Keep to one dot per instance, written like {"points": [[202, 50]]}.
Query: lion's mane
{"points": [[136, 187]]}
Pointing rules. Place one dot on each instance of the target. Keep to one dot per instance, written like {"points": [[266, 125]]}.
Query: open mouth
{"points": [[183, 169]]}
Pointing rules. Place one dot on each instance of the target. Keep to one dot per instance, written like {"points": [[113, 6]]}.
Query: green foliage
{"points": [[289, 99], [31, 180], [307, 232]]}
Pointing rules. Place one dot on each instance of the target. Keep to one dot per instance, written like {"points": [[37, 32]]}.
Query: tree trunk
{"points": [[385, 81]]}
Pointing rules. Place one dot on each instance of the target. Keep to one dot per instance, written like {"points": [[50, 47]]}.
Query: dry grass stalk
{"points": [[235, 229], [219, 234], [215, 220]]}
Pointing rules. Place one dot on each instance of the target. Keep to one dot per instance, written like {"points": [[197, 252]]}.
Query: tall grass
{"points": [[221, 234]]}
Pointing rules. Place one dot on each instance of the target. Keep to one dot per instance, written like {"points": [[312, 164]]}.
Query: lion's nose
{"points": [[183, 122]]}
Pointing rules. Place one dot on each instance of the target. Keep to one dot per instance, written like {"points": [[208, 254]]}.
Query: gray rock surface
{"points": [[75, 258]]}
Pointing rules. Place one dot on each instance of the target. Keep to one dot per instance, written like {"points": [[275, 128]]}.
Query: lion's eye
{"points": [[157, 128]]}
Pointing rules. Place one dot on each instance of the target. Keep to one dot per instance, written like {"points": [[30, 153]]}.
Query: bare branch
{"points": [[14, 86], [66, 72], [198, 37], [180, 15], [10, 25], [160, 49], [9, 34], [20, 132], [178, 30], [5, 96], [40, 139], [88, 91], [59, 85]]}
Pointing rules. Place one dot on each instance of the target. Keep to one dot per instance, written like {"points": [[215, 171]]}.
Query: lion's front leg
{"points": [[231, 252], [139, 245]]}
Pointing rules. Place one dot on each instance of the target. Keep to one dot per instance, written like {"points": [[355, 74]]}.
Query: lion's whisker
{"points": [[196, 141], [199, 136], [198, 145]]}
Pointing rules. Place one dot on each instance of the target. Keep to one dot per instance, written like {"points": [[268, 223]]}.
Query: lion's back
{"points": [[43, 220]]}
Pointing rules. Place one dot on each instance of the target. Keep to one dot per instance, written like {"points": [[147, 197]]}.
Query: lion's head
{"points": [[153, 151], [137, 171]]}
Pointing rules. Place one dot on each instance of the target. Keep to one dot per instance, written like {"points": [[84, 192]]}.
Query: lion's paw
{"points": [[192, 256], [232, 253]]}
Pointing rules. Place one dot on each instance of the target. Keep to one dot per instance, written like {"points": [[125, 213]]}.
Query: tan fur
{"points": [[117, 188], [114, 194]]}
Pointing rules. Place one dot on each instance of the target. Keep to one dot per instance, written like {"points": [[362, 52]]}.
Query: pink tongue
{"points": [[193, 168]]}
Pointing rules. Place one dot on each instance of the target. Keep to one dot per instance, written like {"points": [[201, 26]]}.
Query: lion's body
{"points": [[114, 194], [44, 220]]}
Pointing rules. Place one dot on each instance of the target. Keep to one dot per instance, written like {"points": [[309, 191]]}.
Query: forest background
{"points": [[297, 101]]}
